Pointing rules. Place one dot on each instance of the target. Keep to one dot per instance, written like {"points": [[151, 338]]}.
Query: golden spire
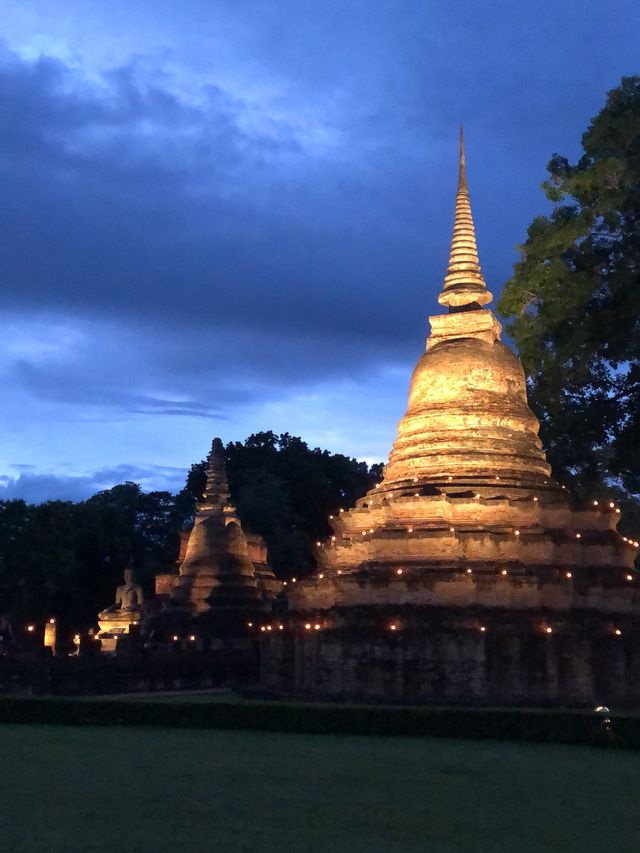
{"points": [[217, 489], [464, 283]]}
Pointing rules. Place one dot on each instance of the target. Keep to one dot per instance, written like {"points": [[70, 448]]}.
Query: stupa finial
{"points": [[217, 488], [462, 169], [464, 284]]}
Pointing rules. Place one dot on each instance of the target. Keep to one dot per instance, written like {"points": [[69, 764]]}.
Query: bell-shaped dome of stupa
{"points": [[468, 417]]}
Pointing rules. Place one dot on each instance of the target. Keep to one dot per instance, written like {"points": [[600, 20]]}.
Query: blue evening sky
{"points": [[223, 217]]}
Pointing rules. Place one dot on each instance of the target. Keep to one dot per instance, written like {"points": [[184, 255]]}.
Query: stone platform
{"points": [[483, 637]]}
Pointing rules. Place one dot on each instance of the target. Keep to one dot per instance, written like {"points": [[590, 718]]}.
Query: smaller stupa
{"points": [[217, 582]]}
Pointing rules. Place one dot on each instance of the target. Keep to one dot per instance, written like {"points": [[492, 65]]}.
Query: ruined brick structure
{"points": [[468, 574], [223, 575]]}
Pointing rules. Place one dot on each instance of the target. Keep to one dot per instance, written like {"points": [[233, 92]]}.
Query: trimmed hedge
{"points": [[569, 727]]}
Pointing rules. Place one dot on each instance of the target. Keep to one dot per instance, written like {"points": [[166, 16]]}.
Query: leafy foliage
{"points": [[285, 491], [573, 306]]}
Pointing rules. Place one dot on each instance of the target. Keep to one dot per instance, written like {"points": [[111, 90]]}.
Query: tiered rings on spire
{"points": [[464, 284], [217, 489]]}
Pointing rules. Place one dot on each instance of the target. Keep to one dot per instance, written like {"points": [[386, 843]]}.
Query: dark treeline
{"points": [[65, 559]]}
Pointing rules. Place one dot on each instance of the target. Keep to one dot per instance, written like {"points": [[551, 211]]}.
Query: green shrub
{"points": [[519, 725]]}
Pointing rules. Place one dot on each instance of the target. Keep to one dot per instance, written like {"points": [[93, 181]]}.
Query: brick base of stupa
{"points": [[556, 648]]}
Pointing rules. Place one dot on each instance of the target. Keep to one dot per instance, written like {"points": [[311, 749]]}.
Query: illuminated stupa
{"points": [[468, 573], [217, 578]]}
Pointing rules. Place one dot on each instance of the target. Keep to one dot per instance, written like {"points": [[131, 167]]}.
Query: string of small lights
{"points": [[542, 628]]}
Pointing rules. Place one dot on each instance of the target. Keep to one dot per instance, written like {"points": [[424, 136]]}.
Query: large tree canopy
{"points": [[573, 305], [285, 491]]}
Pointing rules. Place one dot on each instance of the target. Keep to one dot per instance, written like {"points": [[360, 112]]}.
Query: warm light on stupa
{"points": [[486, 506]]}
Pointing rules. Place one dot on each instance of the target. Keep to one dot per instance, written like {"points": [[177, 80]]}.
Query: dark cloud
{"points": [[147, 206], [70, 385], [36, 488], [251, 206]]}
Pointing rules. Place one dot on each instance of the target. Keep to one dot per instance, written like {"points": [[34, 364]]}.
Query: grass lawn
{"points": [[133, 790]]}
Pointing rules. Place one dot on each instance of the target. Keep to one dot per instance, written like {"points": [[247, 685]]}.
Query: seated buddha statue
{"points": [[127, 609]]}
